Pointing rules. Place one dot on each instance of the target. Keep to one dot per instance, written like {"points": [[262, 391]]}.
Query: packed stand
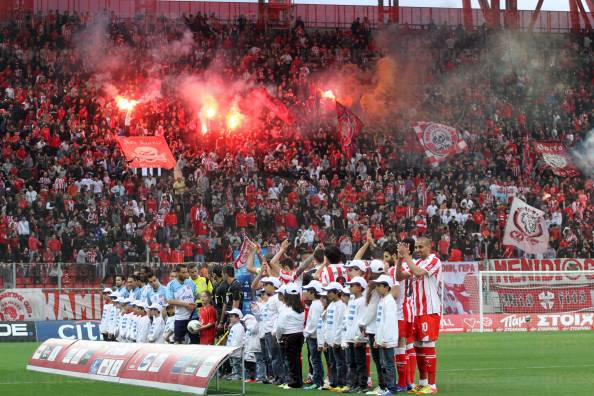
{"points": [[68, 195]]}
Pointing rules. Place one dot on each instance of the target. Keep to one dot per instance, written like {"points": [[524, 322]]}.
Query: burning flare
{"points": [[125, 104], [234, 118], [328, 94], [209, 107]]}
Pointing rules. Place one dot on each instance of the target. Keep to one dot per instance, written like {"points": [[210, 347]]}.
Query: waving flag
{"points": [[244, 253], [274, 105], [146, 152], [349, 126], [555, 155], [526, 229], [439, 141]]}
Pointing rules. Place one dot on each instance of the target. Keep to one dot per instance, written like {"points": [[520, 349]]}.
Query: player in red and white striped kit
{"points": [[333, 268], [425, 274], [405, 352], [406, 357]]}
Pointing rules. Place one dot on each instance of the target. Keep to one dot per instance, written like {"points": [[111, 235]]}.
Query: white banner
{"points": [[525, 228], [38, 304], [460, 281]]}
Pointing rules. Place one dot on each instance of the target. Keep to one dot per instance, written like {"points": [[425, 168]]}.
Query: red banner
{"points": [[186, 368], [349, 127], [38, 304], [555, 155], [146, 152], [544, 299], [439, 141], [516, 322]]}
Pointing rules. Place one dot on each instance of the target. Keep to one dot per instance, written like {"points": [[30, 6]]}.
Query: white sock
{"points": [[423, 382]]}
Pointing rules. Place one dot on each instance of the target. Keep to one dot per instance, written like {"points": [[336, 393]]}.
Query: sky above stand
{"points": [[548, 5]]}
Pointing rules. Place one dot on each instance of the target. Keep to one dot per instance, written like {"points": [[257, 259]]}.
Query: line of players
{"points": [[392, 305]]}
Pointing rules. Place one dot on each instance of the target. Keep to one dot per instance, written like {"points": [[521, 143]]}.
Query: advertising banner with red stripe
{"points": [[146, 152], [561, 264], [556, 157], [439, 141], [518, 322], [186, 368]]}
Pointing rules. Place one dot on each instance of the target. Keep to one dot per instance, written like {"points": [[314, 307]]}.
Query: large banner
{"points": [[460, 281], [542, 279], [555, 155], [439, 141], [516, 322], [146, 152], [558, 264], [39, 304], [526, 229], [544, 299], [186, 368]]}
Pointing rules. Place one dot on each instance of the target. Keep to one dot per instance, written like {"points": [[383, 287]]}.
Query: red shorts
{"points": [[404, 329], [426, 327]]}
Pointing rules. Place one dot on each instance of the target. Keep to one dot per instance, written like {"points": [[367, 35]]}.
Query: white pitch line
{"points": [[516, 368], [41, 382]]}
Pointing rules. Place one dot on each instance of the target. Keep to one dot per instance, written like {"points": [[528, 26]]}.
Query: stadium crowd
{"points": [[67, 194]]}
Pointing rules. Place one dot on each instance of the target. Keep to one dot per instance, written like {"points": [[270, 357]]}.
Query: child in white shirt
{"points": [[235, 339], [157, 325]]}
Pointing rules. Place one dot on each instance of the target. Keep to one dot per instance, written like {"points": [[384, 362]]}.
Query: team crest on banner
{"points": [[349, 126], [525, 228], [556, 157], [439, 141]]}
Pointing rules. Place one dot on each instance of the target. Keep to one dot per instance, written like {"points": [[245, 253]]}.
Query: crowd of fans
{"points": [[68, 195]]}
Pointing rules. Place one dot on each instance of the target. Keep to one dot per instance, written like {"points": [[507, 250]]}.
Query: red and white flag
{"points": [[439, 141], [526, 229], [349, 126], [244, 253], [555, 155]]}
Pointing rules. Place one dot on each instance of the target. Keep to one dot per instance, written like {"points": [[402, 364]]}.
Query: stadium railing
{"points": [[313, 15], [75, 276]]}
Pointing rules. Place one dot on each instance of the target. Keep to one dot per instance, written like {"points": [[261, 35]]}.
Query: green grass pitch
{"points": [[539, 364]]}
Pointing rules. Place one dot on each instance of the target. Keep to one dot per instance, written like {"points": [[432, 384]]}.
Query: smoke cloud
{"points": [[583, 155]]}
